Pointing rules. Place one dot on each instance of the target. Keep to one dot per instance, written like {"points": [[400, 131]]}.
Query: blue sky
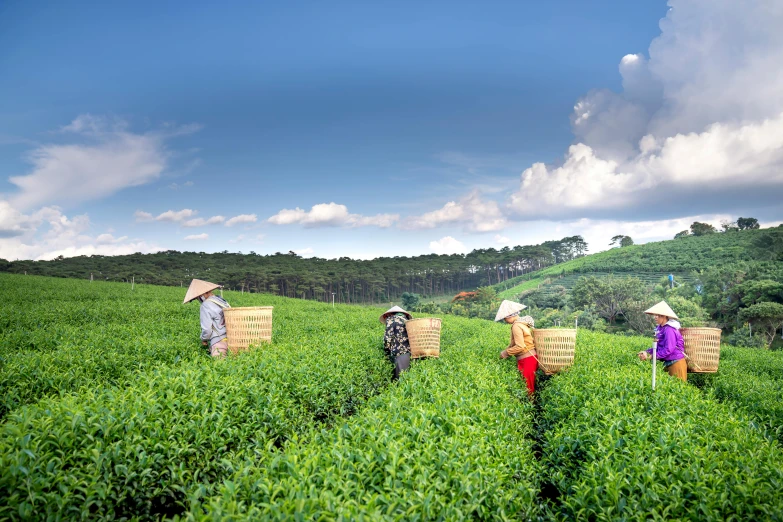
{"points": [[366, 129]]}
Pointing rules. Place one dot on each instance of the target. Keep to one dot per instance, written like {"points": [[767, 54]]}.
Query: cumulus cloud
{"points": [[697, 127], [48, 233], [331, 215], [109, 239], [196, 237], [447, 245], [200, 222], [142, 216], [241, 219], [186, 218], [304, 252], [502, 240], [102, 158], [472, 212], [12, 222], [176, 216]]}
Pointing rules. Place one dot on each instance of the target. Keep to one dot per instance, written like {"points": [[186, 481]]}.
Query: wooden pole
{"points": [[133, 282], [654, 362]]}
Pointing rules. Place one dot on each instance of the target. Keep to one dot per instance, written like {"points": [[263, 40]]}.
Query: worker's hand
{"points": [[203, 343], [643, 356], [504, 354]]}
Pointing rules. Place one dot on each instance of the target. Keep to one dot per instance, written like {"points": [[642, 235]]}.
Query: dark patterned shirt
{"points": [[395, 340]]}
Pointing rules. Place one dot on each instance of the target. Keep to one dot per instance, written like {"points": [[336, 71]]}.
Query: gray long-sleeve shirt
{"points": [[213, 323]]}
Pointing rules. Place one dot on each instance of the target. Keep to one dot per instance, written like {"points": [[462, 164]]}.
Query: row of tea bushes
{"points": [[451, 441], [753, 360], [613, 449], [740, 382], [136, 450], [60, 335]]}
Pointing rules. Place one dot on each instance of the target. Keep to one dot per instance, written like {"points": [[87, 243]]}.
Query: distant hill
{"points": [[682, 257]]}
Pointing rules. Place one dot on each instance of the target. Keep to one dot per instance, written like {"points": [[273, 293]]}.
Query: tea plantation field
{"points": [[111, 410]]}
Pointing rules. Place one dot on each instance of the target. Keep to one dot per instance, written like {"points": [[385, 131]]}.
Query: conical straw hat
{"points": [[507, 308], [393, 310], [198, 287], [662, 309]]}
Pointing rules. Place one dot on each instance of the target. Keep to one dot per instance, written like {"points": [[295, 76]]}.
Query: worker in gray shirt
{"points": [[213, 322]]}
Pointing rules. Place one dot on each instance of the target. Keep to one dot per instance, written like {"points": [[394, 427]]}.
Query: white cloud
{"points": [[142, 216], [238, 239], [697, 127], [184, 217], [598, 232], [724, 157], [196, 237], [176, 216], [447, 245], [331, 215], [109, 239], [48, 233], [472, 212], [502, 240], [304, 252], [105, 158], [240, 219], [12, 222], [200, 222]]}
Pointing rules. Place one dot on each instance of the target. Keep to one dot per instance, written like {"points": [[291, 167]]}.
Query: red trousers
{"points": [[527, 367]]}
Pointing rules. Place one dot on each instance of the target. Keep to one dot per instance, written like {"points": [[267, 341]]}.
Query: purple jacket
{"points": [[671, 347]]}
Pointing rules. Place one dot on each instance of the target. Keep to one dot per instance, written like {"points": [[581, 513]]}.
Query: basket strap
{"points": [[221, 305], [540, 363], [694, 362]]}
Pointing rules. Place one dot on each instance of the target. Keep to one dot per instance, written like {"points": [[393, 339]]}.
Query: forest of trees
{"points": [[379, 280]]}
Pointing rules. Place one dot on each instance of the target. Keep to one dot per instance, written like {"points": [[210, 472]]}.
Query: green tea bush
{"points": [[752, 380], [451, 441], [615, 450], [57, 336], [136, 450]]}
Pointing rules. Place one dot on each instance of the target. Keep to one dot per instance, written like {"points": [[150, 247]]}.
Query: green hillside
{"points": [[649, 262]]}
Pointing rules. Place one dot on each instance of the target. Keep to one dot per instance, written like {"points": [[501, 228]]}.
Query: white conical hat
{"points": [[507, 308], [198, 287], [393, 310], [662, 309]]}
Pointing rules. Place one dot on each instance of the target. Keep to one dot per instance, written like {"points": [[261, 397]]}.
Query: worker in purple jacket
{"points": [[670, 347]]}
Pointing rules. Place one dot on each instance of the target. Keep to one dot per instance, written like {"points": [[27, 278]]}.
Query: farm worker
{"points": [[395, 340], [522, 345], [670, 347], [213, 322]]}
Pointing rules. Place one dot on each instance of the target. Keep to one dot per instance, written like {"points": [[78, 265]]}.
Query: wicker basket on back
{"points": [[555, 348], [702, 349], [246, 326], [424, 336]]}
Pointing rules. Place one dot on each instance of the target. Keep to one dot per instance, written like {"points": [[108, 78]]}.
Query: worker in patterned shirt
{"points": [[395, 339]]}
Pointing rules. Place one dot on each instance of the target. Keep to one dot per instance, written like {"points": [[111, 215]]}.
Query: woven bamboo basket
{"points": [[702, 349], [555, 348], [246, 326], [424, 336]]}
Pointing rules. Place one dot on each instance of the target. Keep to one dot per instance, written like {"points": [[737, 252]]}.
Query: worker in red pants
{"points": [[522, 345]]}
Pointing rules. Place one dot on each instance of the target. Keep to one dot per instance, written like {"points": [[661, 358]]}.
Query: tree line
{"points": [[345, 280]]}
